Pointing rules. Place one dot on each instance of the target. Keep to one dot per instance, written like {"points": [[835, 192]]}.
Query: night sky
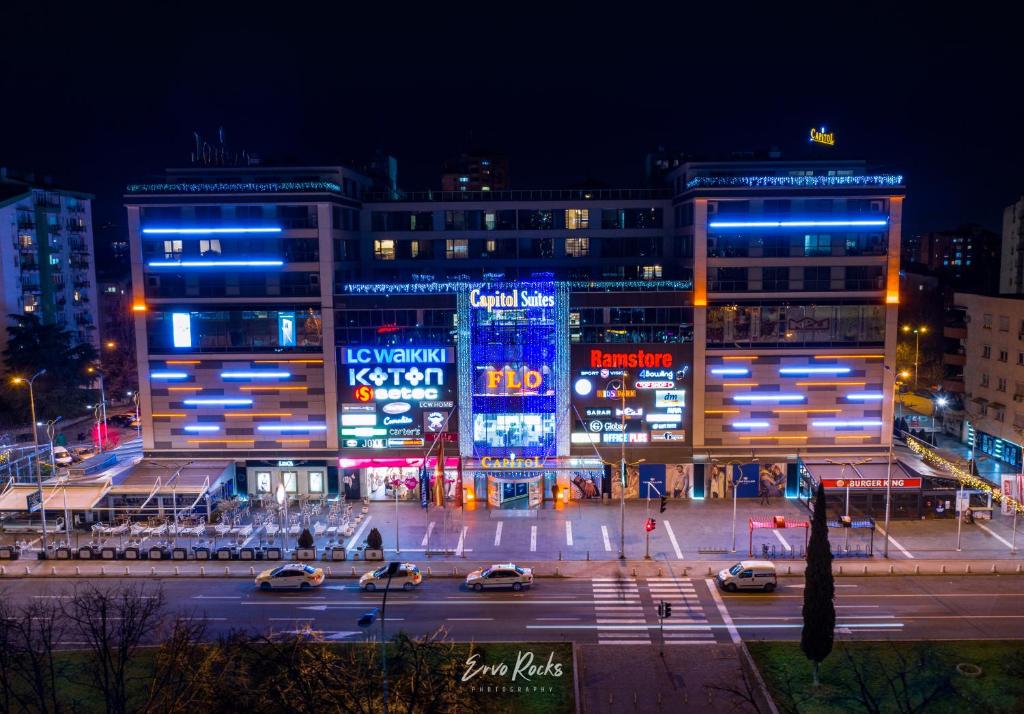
{"points": [[97, 96]]}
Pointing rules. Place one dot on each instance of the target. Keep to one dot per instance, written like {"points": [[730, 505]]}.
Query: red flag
{"points": [[458, 485]]}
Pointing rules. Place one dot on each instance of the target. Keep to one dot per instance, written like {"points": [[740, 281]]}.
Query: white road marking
{"points": [[621, 621], [895, 543], [359, 531], [533, 538], [568, 533], [470, 619], [430, 529], [733, 632], [497, 534], [607, 543], [782, 540], [460, 548], [995, 535], [672, 539], [557, 619]]}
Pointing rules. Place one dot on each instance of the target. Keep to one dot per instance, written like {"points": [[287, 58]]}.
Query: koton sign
{"points": [[854, 483]]}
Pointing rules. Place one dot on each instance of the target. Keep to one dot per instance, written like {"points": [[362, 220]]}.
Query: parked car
{"points": [[61, 456], [291, 576], [749, 575], [407, 577], [502, 575]]}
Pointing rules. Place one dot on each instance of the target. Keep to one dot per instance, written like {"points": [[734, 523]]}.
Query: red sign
{"points": [[364, 394], [449, 437], [870, 482], [638, 358]]}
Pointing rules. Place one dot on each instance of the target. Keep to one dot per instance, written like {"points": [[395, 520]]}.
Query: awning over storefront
{"points": [[142, 478], [862, 476], [80, 497]]}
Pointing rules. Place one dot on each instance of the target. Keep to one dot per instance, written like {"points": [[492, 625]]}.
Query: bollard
{"points": [[227, 570], [252, 571], [559, 554], [556, 571], [127, 570], [659, 572], [353, 571], [103, 570], [1018, 567], [78, 571], [152, 570], [177, 570], [455, 571], [942, 569], [428, 571], [588, 555], [892, 569], [789, 570], [865, 570], [53, 570], [3, 570], [917, 570], [26, 570], [202, 570], [994, 568], [840, 570], [967, 569], [686, 571], [709, 571], [634, 572], [329, 573]]}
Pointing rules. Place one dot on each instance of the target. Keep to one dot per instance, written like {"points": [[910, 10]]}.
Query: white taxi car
{"points": [[502, 575], [407, 577], [294, 576]]}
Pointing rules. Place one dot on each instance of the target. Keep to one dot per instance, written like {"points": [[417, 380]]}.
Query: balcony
{"points": [[955, 332], [956, 386], [958, 359]]}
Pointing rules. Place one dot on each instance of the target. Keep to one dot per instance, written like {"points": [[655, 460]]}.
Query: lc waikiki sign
{"points": [[514, 299], [820, 136]]}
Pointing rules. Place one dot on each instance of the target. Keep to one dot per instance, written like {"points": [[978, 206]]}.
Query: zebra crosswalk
{"points": [[625, 611]]}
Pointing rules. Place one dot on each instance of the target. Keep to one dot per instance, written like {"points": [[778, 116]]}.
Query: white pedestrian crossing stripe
{"points": [[625, 611], [617, 605]]}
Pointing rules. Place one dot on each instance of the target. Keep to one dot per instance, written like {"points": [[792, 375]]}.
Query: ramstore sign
{"points": [[510, 300], [636, 358]]}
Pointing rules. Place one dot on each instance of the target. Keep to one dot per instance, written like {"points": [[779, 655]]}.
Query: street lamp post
{"points": [[138, 422], [888, 470], [50, 430], [842, 477], [35, 456], [917, 332], [102, 412]]}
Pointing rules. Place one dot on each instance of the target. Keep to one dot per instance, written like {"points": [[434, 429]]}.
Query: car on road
{"points": [[407, 577], [501, 575], [293, 576], [749, 575], [61, 456]]}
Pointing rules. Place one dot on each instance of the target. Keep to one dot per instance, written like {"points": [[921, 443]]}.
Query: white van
{"points": [[749, 575]]}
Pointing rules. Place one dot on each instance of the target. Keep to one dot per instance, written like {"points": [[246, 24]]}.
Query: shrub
{"points": [[305, 539], [374, 540]]}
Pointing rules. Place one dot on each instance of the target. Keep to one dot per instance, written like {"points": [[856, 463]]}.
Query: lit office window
{"points": [[652, 272], [577, 218], [209, 247], [25, 239], [414, 249], [490, 220], [491, 246], [172, 249], [577, 247], [384, 249], [457, 248]]}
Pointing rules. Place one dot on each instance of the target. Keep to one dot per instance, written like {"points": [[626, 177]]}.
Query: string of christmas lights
{"points": [[966, 478], [434, 286], [793, 181], [241, 187]]}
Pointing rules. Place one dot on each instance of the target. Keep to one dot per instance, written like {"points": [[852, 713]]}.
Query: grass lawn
{"points": [[930, 683]]}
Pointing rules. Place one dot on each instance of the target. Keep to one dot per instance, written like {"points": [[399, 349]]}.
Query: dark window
{"points": [[817, 279], [775, 279]]}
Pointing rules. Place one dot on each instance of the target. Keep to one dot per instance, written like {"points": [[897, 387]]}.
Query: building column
{"points": [[892, 299], [326, 244], [700, 310], [139, 307]]}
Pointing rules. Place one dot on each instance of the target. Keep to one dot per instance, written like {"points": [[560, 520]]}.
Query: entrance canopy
{"points": [[862, 477], [141, 479], [80, 497]]}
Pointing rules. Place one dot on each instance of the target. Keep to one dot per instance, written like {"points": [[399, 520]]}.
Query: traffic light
{"points": [[650, 525], [664, 504], [664, 610]]}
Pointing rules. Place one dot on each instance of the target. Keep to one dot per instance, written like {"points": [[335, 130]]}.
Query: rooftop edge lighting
{"points": [[256, 374], [793, 181], [232, 187], [872, 223], [206, 231]]}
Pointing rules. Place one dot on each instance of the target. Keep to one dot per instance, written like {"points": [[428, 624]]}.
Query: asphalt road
{"points": [[597, 610]]}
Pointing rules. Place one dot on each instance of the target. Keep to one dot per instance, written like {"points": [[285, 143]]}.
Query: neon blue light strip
{"points": [[205, 231], [168, 375], [202, 427], [865, 396], [793, 181], [731, 371], [835, 423], [292, 427], [215, 263], [750, 424], [798, 224], [218, 402], [256, 374], [768, 397], [784, 371]]}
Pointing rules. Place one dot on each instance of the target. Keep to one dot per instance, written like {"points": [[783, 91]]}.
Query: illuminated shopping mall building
{"points": [[305, 329]]}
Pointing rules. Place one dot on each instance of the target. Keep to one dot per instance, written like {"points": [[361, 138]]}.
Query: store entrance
{"points": [[512, 493]]}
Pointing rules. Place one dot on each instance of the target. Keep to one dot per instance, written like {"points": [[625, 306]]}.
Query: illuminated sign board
{"points": [[855, 483], [513, 299], [511, 462], [820, 136], [181, 329], [391, 395], [630, 394], [286, 329]]}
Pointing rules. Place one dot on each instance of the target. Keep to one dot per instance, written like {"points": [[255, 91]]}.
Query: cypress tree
{"points": [[819, 611]]}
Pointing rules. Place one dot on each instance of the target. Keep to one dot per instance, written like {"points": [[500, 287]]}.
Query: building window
{"points": [[984, 379], [291, 481], [986, 351], [577, 218], [25, 240], [1020, 358], [1004, 323], [384, 249], [652, 272], [316, 481], [414, 249], [817, 244], [490, 246], [775, 279], [1003, 355], [998, 414], [209, 247], [172, 249], [987, 322], [490, 220], [1001, 384], [817, 279], [577, 247], [457, 248]]}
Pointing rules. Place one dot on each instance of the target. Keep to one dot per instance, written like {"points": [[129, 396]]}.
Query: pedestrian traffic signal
{"points": [[664, 610], [664, 503], [649, 525]]}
